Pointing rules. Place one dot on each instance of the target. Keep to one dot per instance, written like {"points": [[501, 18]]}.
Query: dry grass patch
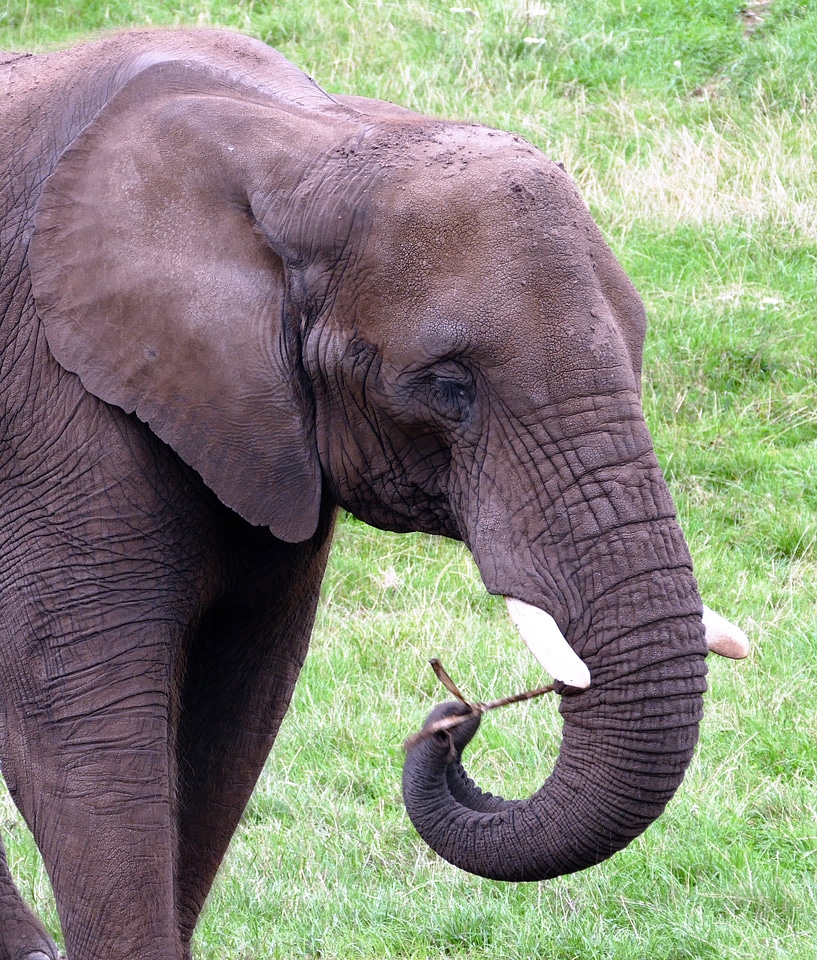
{"points": [[708, 174]]}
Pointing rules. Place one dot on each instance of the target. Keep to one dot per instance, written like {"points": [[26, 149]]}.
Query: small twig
{"points": [[475, 708], [445, 680], [516, 698]]}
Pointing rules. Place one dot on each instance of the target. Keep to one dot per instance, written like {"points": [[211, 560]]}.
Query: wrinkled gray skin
{"points": [[230, 303]]}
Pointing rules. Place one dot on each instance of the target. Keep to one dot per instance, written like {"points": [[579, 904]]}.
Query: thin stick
{"points": [[446, 681], [448, 722], [516, 698]]}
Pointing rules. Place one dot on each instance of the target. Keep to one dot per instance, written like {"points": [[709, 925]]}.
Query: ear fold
{"points": [[156, 288]]}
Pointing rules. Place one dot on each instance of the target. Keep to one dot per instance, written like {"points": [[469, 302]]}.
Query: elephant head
{"points": [[313, 298]]}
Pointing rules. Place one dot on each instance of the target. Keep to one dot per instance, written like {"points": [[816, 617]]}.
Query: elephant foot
{"points": [[41, 950], [22, 935], [47, 951]]}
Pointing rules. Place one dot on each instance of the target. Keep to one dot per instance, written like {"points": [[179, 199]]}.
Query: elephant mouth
{"points": [[548, 645]]}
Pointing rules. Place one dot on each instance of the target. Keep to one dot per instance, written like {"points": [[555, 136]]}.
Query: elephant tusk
{"points": [[723, 637], [547, 643]]}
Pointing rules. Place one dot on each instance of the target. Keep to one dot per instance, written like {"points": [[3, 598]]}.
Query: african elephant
{"points": [[232, 303]]}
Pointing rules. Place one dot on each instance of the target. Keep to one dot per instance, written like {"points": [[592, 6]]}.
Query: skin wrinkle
{"points": [[47, 502], [386, 485], [362, 374], [465, 485], [10, 289], [580, 497], [482, 480], [534, 475], [626, 661], [18, 352], [317, 206], [602, 517], [647, 559], [658, 564]]}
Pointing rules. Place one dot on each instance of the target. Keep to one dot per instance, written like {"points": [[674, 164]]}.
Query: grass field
{"points": [[694, 141]]}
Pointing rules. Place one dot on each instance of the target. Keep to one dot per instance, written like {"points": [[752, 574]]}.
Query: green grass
{"points": [[696, 148]]}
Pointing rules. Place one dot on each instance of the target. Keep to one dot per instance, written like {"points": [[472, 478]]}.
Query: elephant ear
{"points": [[155, 285]]}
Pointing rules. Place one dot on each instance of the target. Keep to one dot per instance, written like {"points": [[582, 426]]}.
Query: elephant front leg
{"points": [[224, 742], [22, 936], [241, 670], [87, 762]]}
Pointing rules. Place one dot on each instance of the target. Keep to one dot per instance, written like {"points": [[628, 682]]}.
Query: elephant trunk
{"points": [[627, 742]]}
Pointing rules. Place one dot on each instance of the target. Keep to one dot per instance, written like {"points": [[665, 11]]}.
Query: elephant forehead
{"points": [[490, 211], [470, 278], [518, 225], [478, 245]]}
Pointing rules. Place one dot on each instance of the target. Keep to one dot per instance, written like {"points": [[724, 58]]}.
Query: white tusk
{"points": [[723, 637], [546, 642]]}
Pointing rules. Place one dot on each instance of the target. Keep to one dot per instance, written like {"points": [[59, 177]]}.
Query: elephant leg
{"points": [[22, 936], [87, 762], [233, 712], [241, 671]]}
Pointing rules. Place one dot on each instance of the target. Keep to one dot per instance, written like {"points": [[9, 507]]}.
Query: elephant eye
{"points": [[451, 395]]}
